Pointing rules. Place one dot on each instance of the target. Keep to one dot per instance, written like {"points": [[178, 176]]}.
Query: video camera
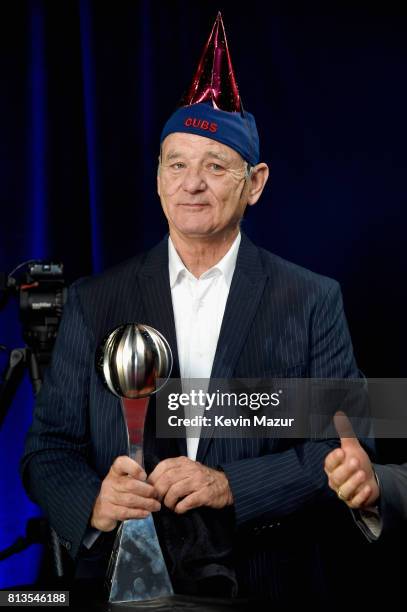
{"points": [[42, 295]]}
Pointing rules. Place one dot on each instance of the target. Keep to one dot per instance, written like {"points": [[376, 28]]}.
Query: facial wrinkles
{"points": [[213, 182], [237, 174]]}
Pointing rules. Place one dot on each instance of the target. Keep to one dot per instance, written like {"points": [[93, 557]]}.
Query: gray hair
{"points": [[248, 170]]}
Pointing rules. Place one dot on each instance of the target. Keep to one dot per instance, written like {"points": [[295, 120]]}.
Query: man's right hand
{"points": [[124, 494]]}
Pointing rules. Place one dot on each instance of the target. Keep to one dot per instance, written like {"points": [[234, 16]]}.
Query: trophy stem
{"points": [[137, 570]]}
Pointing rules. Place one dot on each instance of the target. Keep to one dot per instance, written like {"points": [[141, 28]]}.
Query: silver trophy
{"points": [[131, 359]]}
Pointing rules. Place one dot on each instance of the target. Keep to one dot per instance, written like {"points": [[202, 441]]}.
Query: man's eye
{"points": [[216, 167], [177, 166]]}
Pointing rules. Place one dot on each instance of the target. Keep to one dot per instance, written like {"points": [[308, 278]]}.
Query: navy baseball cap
{"points": [[237, 130]]}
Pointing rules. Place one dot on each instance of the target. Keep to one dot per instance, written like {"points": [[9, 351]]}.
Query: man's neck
{"points": [[201, 254]]}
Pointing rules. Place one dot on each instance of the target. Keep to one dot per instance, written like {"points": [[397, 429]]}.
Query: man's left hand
{"points": [[183, 484], [349, 470]]}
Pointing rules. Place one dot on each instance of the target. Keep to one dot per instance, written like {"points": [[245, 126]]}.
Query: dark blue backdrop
{"points": [[86, 87]]}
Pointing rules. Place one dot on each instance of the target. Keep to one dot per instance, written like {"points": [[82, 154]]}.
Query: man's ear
{"points": [[158, 172], [258, 179]]}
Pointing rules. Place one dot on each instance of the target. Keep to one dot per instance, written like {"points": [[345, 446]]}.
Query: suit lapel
{"points": [[154, 287], [242, 304]]}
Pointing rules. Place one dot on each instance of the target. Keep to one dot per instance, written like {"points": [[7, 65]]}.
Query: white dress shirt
{"points": [[199, 305]]}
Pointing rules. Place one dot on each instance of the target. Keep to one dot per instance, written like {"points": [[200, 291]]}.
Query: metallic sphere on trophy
{"points": [[132, 358]]}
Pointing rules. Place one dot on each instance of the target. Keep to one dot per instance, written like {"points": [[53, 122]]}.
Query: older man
{"points": [[204, 188], [229, 310]]}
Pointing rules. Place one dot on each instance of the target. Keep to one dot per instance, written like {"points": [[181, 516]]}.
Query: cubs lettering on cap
{"points": [[200, 123]]}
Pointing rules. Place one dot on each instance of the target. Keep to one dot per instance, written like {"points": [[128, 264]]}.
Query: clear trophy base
{"points": [[137, 570]]}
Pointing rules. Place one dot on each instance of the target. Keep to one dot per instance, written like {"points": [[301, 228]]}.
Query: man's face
{"points": [[202, 186]]}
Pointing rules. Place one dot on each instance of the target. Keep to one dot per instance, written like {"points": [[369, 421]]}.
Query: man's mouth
{"points": [[193, 204]]}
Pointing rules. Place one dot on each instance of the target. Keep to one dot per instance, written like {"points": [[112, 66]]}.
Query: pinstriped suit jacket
{"points": [[280, 320]]}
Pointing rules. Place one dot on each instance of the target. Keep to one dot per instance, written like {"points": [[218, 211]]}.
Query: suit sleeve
{"points": [[393, 495], [276, 485], [55, 468]]}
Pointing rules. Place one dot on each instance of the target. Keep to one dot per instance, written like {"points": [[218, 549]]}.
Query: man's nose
{"points": [[193, 180]]}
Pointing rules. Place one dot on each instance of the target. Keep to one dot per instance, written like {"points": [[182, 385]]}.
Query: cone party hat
{"points": [[214, 80]]}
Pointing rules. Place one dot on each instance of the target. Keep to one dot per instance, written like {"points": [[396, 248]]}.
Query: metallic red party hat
{"points": [[214, 80]]}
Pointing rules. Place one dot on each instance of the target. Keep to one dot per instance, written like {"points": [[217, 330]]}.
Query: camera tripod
{"points": [[37, 530], [42, 295]]}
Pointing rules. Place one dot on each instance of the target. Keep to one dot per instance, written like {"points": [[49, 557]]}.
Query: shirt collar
{"points": [[226, 266]]}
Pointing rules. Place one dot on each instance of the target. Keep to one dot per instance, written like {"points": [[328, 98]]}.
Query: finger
{"points": [[354, 463], [345, 431], [121, 513], [168, 480], [130, 485], [131, 501], [172, 476], [177, 492], [343, 473], [334, 459], [168, 464], [361, 498], [350, 488], [124, 465], [194, 500]]}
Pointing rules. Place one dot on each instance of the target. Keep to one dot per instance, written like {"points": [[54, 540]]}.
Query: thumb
{"points": [[343, 426]]}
